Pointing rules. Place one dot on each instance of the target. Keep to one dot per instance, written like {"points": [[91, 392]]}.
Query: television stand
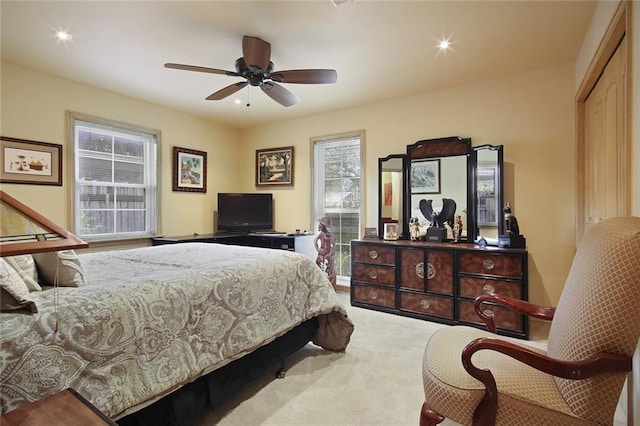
{"points": [[297, 243]]}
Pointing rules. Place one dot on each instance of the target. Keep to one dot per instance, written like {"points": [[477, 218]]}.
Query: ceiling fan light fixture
{"points": [[261, 74]]}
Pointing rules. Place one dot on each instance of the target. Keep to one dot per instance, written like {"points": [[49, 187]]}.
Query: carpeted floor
{"points": [[377, 381]]}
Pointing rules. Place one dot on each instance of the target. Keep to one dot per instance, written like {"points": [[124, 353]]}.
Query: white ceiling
{"points": [[380, 50]]}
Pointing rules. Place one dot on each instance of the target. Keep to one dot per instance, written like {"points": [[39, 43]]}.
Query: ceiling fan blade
{"points": [[201, 69], [279, 94], [226, 91], [312, 76], [256, 53]]}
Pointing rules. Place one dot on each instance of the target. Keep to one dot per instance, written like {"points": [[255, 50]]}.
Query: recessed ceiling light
{"points": [[444, 44], [63, 35]]}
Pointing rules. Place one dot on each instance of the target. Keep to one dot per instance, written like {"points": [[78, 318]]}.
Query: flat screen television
{"points": [[248, 212]]}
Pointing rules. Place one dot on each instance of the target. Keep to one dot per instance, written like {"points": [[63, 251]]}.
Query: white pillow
{"points": [[14, 292], [70, 272], [26, 267]]}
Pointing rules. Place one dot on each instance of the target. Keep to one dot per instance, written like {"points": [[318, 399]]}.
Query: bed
{"points": [[146, 322]]}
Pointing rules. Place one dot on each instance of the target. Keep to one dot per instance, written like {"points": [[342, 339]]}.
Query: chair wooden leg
{"points": [[428, 417]]}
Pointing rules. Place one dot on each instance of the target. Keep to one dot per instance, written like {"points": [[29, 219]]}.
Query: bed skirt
{"points": [[186, 405]]}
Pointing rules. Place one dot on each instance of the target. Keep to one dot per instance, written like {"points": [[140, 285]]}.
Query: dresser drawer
{"points": [[504, 317], [374, 274], [374, 295], [427, 304], [473, 287], [492, 264], [374, 253]]}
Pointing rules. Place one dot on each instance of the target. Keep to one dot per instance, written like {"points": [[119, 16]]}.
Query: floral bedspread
{"points": [[149, 320]]}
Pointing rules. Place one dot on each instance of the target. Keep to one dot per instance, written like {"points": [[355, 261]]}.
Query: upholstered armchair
{"points": [[473, 377]]}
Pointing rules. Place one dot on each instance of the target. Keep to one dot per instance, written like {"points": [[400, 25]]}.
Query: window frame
{"points": [[359, 134], [153, 189]]}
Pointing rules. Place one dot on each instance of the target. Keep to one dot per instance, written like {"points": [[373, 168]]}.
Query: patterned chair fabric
{"points": [[597, 311]]}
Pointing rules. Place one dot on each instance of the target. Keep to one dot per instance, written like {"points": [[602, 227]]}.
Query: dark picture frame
{"points": [[370, 233], [30, 162], [425, 177], [189, 170], [274, 166]]}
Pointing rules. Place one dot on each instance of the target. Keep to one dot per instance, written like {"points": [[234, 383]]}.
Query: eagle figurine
{"points": [[438, 219]]}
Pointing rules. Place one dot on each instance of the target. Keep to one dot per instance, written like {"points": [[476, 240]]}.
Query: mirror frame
{"points": [[445, 147], [499, 184], [438, 148], [381, 160]]}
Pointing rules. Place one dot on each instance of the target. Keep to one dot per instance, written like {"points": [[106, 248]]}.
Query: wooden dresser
{"points": [[438, 281]]}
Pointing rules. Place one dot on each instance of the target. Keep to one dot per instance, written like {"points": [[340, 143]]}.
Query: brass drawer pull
{"points": [[488, 312], [431, 270], [424, 303], [488, 289], [373, 254], [373, 275], [488, 264], [373, 295]]}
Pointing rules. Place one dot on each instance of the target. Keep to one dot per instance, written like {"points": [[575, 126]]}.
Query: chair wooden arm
{"points": [[524, 307], [485, 414]]}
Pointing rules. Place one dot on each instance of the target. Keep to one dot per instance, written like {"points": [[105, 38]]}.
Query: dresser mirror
{"points": [[489, 183], [439, 184], [391, 195], [450, 168]]}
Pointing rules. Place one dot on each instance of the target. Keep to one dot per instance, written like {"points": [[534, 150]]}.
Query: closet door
{"points": [[606, 153]]}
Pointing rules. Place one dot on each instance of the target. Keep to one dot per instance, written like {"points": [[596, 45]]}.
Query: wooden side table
{"points": [[67, 408]]}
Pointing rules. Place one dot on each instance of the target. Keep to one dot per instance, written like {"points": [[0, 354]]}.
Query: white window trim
{"points": [[72, 117], [332, 137], [340, 279]]}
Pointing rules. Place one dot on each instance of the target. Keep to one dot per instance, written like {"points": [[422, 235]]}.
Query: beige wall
{"points": [[532, 115], [34, 107]]}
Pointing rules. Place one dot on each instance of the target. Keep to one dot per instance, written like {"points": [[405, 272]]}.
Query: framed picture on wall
{"points": [[30, 162], [274, 166], [189, 170]]}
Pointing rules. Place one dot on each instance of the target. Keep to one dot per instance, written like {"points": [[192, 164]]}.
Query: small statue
{"points": [[414, 229], [324, 244], [438, 219], [511, 223], [457, 228]]}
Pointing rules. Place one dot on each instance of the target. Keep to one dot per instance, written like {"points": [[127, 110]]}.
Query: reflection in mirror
{"points": [[489, 190], [434, 180], [390, 175]]}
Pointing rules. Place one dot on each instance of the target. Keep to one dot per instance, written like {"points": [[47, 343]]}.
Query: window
{"points": [[115, 179], [337, 192]]}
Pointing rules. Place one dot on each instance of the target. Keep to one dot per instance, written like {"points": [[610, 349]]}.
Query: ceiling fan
{"points": [[256, 68]]}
